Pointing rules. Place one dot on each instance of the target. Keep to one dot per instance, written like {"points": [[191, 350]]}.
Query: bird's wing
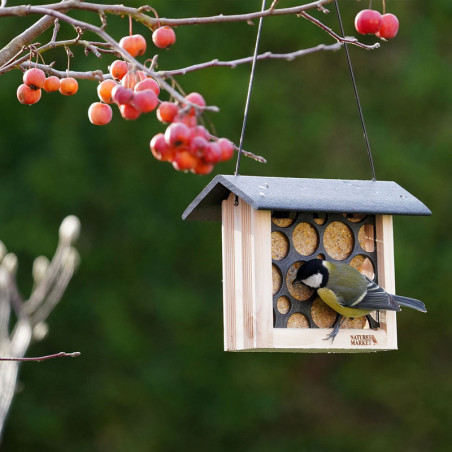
{"points": [[377, 298]]}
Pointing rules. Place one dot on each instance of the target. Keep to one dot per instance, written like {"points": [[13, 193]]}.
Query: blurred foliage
{"points": [[145, 308]]}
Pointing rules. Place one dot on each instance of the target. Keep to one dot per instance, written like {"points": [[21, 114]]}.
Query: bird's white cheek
{"points": [[313, 281]]}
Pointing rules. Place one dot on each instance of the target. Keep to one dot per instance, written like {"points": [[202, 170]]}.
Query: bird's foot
{"points": [[336, 327], [373, 324]]}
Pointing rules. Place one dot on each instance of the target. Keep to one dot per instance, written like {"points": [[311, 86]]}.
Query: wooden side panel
{"points": [[386, 272], [247, 277], [244, 214], [229, 282], [263, 287]]}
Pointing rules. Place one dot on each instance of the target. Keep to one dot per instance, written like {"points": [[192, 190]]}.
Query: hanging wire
{"points": [[250, 86], [355, 89]]}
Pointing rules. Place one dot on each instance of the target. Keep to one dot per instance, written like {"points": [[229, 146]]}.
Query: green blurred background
{"points": [[145, 308]]}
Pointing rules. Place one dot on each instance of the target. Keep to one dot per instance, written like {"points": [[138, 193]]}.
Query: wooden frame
{"points": [[247, 290]]}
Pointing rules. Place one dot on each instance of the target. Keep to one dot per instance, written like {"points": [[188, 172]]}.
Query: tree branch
{"points": [[264, 56], [349, 40], [151, 22], [38, 359]]}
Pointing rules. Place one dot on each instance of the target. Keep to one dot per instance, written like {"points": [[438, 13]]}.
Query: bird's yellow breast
{"points": [[330, 299]]}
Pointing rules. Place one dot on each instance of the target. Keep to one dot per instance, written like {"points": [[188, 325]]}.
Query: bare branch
{"points": [[24, 39], [151, 22], [349, 40], [39, 359], [234, 63]]}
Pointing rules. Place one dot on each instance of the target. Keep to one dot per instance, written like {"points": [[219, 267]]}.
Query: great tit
{"points": [[349, 292]]}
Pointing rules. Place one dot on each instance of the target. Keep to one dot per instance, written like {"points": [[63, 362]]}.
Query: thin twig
{"points": [[38, 359], [338, 38], [234, 63], [258, 158]]}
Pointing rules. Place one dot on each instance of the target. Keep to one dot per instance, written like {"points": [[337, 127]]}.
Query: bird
{"points": [[350, 293]]}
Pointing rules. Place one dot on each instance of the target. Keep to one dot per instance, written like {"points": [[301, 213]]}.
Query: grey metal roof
{"points": [[308, 195]]}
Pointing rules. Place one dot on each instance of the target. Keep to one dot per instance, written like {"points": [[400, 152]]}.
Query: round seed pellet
{"points": [[338, 240], [298, 320]]}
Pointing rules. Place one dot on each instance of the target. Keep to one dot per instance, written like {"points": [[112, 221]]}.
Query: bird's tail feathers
{"points": [[410, 303]]}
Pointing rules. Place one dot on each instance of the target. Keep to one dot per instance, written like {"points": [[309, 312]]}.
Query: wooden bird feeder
{"points": [[270, 226]]}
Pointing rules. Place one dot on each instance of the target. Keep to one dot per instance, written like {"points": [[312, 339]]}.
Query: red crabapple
{"points": [[189, 120], [104, 90], [121, 95], [34, 78], [198, 146], [367, 21], [184, 161], [197, 99], [129, 111], [202, 132], [68, 86], [227, 149], [100, 113], [163, 37], [167, 111], [132, 78], [28, 96], [389, 26], [145, 101], [118, 69], [148, 83], [134, 44], [202, 168], [212, 153], [177, 134], [160, 149], [51, 84]]}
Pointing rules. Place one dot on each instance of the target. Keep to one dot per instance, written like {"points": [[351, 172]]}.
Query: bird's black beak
{"points": [[297, 282]]}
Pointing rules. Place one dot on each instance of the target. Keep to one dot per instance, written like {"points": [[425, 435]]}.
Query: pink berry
{"points": [[160, 149], [167, 111], [198, 146], [34, 78], [147, 83], [389, 26], [227, 149], [129, 112], [202, 168], [100, 113], [163, 37], [197, 99], [367, 21], [212, 153], [145, 101], [28, 96], [121, 95], [177, 134], [184, 161]]}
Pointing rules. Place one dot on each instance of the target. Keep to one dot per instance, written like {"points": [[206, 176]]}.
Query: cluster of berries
{"points": [[370, 21], [35, 80], [185, 144], [131, 90]]}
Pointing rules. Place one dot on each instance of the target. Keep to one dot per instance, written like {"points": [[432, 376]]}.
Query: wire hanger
{"points": [[352, 76]]}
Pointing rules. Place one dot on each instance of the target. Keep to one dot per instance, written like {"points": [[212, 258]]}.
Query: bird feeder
{"points": [[270, 226]]}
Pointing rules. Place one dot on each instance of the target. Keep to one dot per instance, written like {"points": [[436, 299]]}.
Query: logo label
{"points": [[362, 339]]}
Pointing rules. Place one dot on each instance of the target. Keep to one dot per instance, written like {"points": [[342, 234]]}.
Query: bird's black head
{"points": [[312, 274]]}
